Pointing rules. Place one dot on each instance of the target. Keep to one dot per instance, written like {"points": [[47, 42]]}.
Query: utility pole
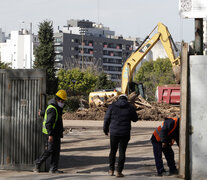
{"points": [[82, 31], [82, 49]]}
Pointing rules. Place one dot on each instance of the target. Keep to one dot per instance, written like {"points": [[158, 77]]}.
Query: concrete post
{"points": [[184, 121]]}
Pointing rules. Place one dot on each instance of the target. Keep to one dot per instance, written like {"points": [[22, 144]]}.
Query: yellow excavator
{"points": [[136, 57]]}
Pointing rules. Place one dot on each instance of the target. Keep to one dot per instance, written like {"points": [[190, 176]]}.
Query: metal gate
{"points": [[21, 96]]}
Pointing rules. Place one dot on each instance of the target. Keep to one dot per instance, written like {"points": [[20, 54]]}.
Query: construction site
{"points": [[85, 149]]}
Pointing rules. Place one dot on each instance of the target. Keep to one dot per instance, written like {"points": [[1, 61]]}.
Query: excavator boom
{"points": [[129, 67]]}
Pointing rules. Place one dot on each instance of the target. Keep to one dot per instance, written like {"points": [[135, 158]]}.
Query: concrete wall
{"points": [[198, 117]]}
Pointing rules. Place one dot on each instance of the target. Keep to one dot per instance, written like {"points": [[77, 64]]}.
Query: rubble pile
{"points": [[153, 111]]}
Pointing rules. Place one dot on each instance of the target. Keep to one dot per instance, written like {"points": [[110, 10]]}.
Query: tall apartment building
{"points": [[18, 49], [83, 43]]}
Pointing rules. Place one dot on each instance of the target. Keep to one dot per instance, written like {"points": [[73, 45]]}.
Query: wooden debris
{"points": [[153, 111]]}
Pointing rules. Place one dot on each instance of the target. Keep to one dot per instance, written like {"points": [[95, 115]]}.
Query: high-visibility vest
{"points": [[158, 130], [44, 130]]}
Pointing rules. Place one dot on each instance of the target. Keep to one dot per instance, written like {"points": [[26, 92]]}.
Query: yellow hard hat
{"points": [[62, 94]]}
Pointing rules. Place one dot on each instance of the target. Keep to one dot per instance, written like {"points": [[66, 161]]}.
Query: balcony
{"points": [[85, 46], [58, 43], [58, 60], [112, 49], [111, 64], [111, 57], [85, 54], [58, 50], [112, 72]]}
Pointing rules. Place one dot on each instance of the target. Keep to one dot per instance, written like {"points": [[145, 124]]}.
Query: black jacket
{"points": [[167, 127], [118, 118], [51, 116]]}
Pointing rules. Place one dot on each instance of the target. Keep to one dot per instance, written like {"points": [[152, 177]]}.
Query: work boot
{"points": [[174, 172], [111, 172], [55, 172], [119, 174], [163, 173], [36, 168]]}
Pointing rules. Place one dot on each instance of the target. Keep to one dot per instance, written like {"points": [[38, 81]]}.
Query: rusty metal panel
{"points": [[23, 90]]}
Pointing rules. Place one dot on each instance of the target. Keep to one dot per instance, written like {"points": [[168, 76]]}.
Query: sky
{"points": [[135, 18]]}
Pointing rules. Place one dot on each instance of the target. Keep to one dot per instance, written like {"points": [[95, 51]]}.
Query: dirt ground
{"points": [[85, 150]]}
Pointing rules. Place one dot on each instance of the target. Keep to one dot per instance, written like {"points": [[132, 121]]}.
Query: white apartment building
{"points": [[18, 50]]}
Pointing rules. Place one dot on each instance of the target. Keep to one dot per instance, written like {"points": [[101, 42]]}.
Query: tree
{"points": [[76, 81], [153, 74], [103, 82], [45, 55], [4, 65]]}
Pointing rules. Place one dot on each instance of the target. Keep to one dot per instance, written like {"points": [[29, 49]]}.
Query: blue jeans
{"points": [[169, 155]]}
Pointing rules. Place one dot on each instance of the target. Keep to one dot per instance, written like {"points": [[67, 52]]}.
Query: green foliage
{"points": [[76, 82], [45, 55], [153, 74], [104, 83], [4, 65]]}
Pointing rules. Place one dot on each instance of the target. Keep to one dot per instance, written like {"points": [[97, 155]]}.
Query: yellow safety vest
{"points": [[44, 130]]}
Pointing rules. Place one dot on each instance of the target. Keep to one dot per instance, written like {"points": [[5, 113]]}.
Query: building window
{"points": [[72, 40]]}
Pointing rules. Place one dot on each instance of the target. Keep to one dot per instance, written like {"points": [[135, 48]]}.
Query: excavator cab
{"points": [[136, 87]]}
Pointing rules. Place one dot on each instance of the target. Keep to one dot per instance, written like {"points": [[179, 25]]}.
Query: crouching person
{"points": [[53, 132], [162, 139]]}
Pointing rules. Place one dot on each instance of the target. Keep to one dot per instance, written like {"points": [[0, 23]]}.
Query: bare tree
{"points": [[95, 64]]}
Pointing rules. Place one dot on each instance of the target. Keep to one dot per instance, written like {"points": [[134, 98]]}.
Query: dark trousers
{"points": [[169, 155], [116, 142], [53, 150]]}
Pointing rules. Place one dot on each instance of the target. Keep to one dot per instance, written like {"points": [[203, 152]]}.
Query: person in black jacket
{"points": [[53, 132], [162, 139], [117, 122]]}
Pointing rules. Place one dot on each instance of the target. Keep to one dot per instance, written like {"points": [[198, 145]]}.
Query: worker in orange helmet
{"points": [[53, 131], [162, 139]]}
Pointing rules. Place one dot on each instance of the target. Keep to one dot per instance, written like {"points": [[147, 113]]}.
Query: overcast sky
{"points": [[135, 18]]}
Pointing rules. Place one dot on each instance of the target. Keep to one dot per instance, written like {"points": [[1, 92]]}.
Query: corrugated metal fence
{"points": [[21, 95]]}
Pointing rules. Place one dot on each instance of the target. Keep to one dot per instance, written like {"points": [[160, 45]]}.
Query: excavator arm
{"points": [[129, 66]]}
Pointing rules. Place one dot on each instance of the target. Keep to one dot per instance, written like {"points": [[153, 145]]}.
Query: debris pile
{"points": [[153, 111]]}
